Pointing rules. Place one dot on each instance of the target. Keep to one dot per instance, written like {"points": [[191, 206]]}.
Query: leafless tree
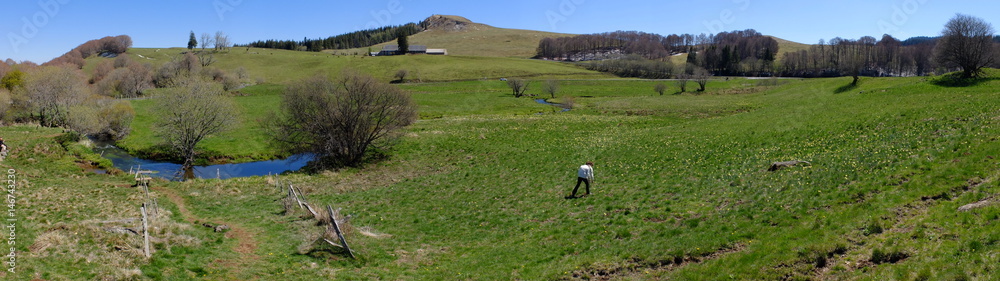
{"points": [[551, 87], [206, 58], [341, 121], [191, 112], [701, 76], [126, 82], [175, 70], [660, 87], [221, 41], [206, 40], [122, 61], [967, 42], [682, 81], [51, 90], [401, 75], [101, 70], [518, 86], [105, 119], [241, 73]]}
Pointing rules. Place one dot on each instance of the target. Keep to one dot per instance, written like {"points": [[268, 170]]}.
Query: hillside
{"points": [[683, 192], [785, 46], [463, 37], [283, 66]]}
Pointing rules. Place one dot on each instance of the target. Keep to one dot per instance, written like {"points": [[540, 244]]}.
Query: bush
{"points": [[6, 102], [126, 82], [105, 119], [101, 71], [231, 83], [13, 79], [68, 138]]}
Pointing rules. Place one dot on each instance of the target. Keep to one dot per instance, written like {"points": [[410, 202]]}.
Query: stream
{"points": [[172, 171], [559, 105]]}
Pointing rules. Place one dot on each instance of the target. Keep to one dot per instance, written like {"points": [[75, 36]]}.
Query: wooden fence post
{"points": [[336, 228], [145, 232]]}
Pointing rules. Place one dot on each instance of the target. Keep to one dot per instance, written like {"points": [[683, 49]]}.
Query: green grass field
{"points": [[248, 141], [475, 191], [283, 66]]}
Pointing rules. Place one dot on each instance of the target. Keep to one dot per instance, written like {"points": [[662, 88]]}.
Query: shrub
{"points": [[13, 79]]}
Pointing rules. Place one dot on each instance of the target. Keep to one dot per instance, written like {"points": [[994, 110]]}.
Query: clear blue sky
{"points": [[41, 30]]}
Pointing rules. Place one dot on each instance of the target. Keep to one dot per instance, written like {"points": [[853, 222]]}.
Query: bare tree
{"points": [[191, 112], [551, 87], [967, 42], [701, 76], [241, 73], [518, 86], [401, 75], [206, 40], [221, 41], [660, 87], [682, 81], [50, 92], [105, 119], [341, 122], [126, 82], [206, 58]]}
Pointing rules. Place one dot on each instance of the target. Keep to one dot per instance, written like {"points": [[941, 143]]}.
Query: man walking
{"points": [[584, 175]]}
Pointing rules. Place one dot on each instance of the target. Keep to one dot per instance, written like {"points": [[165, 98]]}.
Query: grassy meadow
{"points": [[475, 190], [284, 66]]}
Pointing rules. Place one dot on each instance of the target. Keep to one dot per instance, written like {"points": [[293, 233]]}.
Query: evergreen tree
{"points": [[192, 42], [404, 44]]}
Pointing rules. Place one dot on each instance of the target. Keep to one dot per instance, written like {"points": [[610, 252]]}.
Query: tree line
{"points": [[865, 56], [967, 43], [746, 52], [357, 39]]}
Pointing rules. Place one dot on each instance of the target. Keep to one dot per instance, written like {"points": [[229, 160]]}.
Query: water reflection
{"points": [[172, 171]]}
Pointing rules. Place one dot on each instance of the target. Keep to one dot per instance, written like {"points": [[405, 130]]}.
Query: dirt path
{"points": [[246, 242]]}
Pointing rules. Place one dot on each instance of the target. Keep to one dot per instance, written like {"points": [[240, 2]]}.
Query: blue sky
{"points": [[39, 30]]}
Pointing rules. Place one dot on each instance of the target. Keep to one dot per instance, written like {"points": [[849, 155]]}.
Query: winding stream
{"points": [[559, 105]]}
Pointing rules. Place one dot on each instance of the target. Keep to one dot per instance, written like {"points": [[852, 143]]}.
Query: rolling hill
{"points": [[463, 37]]}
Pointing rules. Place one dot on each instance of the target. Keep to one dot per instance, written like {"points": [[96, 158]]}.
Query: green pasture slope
{"points": [[284, 66], [475, 191]]}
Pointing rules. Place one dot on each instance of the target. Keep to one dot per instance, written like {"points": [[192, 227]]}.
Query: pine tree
{"points": [[404, 44], [192, 42]]}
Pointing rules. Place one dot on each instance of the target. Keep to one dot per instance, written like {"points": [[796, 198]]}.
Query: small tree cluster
{"points": [[635, 67], [104, 119], [111, 44], [50, 91], [123, 78], [342, 121], [518, 86], [176, 70]]}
